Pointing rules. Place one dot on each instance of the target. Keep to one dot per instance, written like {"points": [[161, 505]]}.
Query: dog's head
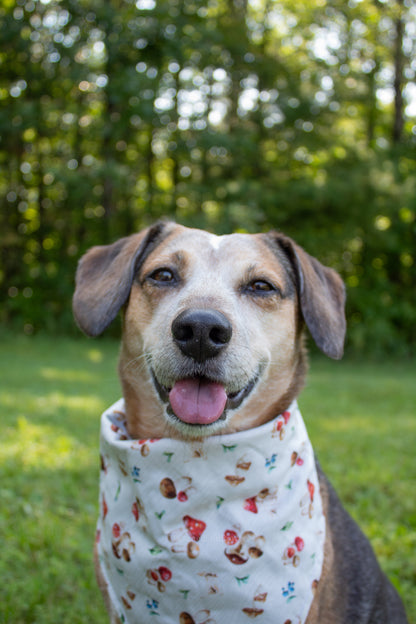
{"points": [[212, 330]]}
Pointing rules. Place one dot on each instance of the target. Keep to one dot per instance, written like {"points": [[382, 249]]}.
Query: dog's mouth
{"points": [[199, 400]]}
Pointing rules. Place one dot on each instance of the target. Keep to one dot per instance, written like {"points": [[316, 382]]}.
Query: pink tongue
{"points": [[197, 401]]}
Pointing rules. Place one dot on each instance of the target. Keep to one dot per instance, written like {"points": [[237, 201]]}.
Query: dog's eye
{"points": [[260, 287], [162, 275]]}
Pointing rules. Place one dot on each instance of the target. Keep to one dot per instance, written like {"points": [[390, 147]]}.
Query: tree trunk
{"points": [[398, 121]]}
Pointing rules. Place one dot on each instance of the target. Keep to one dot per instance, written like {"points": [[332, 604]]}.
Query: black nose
{"points": [[201, 334]]}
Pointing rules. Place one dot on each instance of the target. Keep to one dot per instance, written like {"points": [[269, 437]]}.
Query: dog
{"points": [[211, 363]]}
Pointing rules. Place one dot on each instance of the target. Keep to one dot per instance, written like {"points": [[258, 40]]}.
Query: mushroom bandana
{"points": [[217, 531]]}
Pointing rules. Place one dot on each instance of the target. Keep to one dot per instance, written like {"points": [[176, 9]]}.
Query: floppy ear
{"points": [[105, 275], [321, 294]]}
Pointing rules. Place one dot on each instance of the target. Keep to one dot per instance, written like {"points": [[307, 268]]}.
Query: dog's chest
{"points": [[225, 530]]}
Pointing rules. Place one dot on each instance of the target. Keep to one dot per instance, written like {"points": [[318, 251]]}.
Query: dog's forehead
{"points": [[210, 248]]}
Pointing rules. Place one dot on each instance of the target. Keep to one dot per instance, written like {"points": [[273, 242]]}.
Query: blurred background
{"points": [[222, 114], [227, 115]]}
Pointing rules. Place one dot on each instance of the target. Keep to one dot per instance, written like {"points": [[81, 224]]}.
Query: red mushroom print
{"points": [[279, 427], [135, 510], [249, 545], [290, 552], [159, 577], [230, 537], [104, 507], [116, 530], [250, 504], [194, 527], [169, 490], [299, 543], [306, 502], [165, 574], [185, 489]]}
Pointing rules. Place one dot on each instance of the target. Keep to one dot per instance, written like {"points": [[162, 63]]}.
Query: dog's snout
{"points": [[201, 334]]}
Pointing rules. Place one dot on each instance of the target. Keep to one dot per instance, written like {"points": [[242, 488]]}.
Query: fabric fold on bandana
{"points": [[217, 531]]}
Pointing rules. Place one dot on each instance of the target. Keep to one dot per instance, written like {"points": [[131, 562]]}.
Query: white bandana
{"points": [[212, 532]]}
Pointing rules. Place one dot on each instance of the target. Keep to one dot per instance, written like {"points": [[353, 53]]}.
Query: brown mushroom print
{"points": [[122, 545], [167, 488], [291, 555], [201, 617], [252, 612], [279, 427], [179, 537], [240, 550], [159, 577], [260, 597]]}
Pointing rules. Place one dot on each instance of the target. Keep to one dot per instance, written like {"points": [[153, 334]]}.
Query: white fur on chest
{"points": [[218, 531]]}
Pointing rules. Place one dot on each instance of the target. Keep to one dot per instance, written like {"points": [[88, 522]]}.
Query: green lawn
{"points": [[360, 416]]}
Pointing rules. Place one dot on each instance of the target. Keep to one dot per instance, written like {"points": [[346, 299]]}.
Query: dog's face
{"points": [[212, 333], [216, 321]]}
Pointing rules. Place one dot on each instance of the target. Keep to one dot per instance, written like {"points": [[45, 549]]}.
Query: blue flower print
{"points": [[271, 461], [288, 592]]}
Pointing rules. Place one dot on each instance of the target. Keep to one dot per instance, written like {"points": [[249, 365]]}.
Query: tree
{"points": [[226, 115]]}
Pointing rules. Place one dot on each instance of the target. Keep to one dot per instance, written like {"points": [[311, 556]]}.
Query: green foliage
{"points": [[360, 418], [225, 115]]}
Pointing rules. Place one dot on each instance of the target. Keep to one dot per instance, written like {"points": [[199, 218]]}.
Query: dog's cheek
{"points": [[157, 333], [138, 316], [274, 331], [282, 333]]}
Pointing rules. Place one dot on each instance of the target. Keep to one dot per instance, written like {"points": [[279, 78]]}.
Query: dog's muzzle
{"points": [[197, 398]]}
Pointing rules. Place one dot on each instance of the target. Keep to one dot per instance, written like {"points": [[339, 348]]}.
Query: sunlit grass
{"points": [[360, 416], [52, 394], [42, 446]]}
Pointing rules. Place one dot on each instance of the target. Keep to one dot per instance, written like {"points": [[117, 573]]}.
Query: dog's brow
{"points": [[256, 270], [251, 271], [179, 257]]}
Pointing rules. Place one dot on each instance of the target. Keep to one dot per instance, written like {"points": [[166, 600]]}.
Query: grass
{"points": [[360, 416]]}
